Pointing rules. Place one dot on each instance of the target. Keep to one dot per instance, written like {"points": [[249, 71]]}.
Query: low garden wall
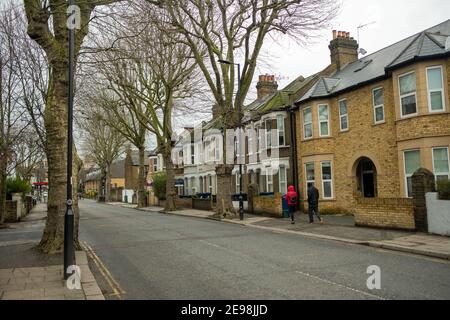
{"points": [[394, 213], [202, 204], [11, 211], [268, 205], [438, 212], [181, 203]]}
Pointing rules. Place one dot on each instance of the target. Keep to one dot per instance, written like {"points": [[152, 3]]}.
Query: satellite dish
{"points": [[362, 51]]}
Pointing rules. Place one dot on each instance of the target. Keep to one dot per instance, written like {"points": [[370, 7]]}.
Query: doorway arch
{"points": [[366, 177]]}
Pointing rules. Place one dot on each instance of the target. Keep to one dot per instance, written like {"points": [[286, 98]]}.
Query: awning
{"points": [[40, 183]]}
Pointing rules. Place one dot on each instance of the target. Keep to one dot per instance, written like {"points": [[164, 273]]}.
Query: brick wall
{"points": [[181, 203], [395, 213], [11, 211], [268, 205]]}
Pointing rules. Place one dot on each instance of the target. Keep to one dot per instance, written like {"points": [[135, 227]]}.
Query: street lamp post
{"points": [[241, 200], [69, 254]]}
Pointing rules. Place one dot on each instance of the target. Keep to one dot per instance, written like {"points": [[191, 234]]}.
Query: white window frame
{"points": [[320, 121], [343, 115], [448, 160], [250, 134], [407, 95], [216, 146], [404, 169], [269, 182], [326, 180], [268, 137], [281, 132], [429, 91], [375, 107], [306, 174], [238, 182], [307, 123], [258, 138], [280, 182]]}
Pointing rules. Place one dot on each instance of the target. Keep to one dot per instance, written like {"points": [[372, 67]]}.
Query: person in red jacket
{"points": [[292, 200]]}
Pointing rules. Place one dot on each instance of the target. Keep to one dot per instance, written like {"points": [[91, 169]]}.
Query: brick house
{"points": [[270, 156], [366, 125]]}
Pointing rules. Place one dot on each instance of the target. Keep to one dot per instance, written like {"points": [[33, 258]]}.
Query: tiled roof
{"points": [[276, 101], [426, 44]]}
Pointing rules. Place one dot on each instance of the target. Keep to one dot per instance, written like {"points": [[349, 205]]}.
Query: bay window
{"points": [[327, 181], [324, 123], [269, 179], [268, 125], [307, 123], [408, 96], [412, 163], [440, 164], [283, 180], [280, 129], [310, 178], [435, 89]]}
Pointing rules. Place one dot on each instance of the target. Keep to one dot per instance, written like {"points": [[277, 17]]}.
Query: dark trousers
{"points": [[313, 210], [292, 211]]}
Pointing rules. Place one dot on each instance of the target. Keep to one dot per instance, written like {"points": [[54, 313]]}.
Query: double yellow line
{"points": [[117, 290]]}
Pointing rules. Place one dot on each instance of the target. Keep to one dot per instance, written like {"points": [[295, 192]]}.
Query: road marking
{"points": [[339, 285], [117, 290]]}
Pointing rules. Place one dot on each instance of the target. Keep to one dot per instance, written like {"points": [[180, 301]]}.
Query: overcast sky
{"points": [[394, 21]]}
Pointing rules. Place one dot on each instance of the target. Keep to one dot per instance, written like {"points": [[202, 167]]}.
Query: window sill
{"points": [[420, 115], [321, 138], [378, 123]]}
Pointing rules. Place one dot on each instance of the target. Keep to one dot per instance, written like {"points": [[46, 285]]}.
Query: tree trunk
{"points": [[55, 120], [170, 180], [141, 179], [108, 184], [225, 207], [102, 186], [3, 166]]}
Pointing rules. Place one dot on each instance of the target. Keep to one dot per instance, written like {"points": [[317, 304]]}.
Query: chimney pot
{"points": [[334, 34]]}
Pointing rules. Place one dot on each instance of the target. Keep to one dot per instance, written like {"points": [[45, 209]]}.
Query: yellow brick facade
{"points": [[382, 143]]}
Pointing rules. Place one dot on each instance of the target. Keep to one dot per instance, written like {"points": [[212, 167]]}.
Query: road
{"points": [[145, 255]]}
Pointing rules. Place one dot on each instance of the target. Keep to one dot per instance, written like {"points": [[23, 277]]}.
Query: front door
{"points": [[366, 174], [368, 185]]}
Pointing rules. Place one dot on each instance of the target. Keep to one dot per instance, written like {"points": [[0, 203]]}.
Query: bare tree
{"points": [[235, 30], [13, 123], [147, 72], [104, 144], [48, 28]]}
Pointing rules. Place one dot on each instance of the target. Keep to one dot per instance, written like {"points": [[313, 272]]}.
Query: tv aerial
{"points": [[361, 26]]}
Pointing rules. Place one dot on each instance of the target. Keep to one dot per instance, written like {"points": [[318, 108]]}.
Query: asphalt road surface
{"points": [[143, 255]]}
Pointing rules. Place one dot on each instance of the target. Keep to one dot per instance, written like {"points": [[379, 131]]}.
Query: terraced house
{"points": [[365, 127]]}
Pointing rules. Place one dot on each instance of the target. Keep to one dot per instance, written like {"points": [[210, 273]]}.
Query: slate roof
{"points": [[277, 101], [431, 43], [118, 169]]}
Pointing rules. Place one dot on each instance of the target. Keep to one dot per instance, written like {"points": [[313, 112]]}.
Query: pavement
{"points": [[150, 255], [337, 228], [28, 274]]}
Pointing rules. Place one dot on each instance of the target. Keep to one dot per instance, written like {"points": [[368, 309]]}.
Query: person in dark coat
{"points": [[313, 203], [292, 199]]}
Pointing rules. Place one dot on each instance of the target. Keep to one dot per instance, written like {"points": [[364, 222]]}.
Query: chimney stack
{"points": [[266, 86], [343, 49]]}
